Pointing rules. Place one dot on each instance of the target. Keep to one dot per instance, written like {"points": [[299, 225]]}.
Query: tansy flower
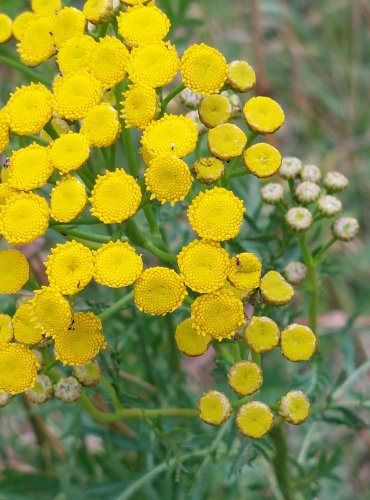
{"points": [[290, 167], [143, 25], [41, 391], [5, 27], [217, 314], [140, 105], [155, 64], [261, 334], [4, 131], [18, 368], [204, 69], [226, 141], [203, 265], [272, 193], [295, 272], [51, 311], [101, 125], [245, 271], [335, 182], [109, 61], [254, 419], [297, 342], [70, 267], [5, 192], [189, 341], [117, 264], [263, 115], [329, 205], [345, 228], [21, 22], [239, 294], [6, 328], [116, 197], [214, 110], [214, 408], [147, 155], [168, 179], [171, 134], [262, 160], [37, 44], [275, 289], [69, 22], [69, 152], [216, 214], [75, 94], [208, 170], [245, 377], [307, 192], [46, 7], [241, 76], [82, 341], [14, 271], [299, 218], [97, 11], [310, 173], [159, 291], [68, 199], [29, 167], [29, 109], [25, 329], [294, 407], [23, 218], [75, 54]]}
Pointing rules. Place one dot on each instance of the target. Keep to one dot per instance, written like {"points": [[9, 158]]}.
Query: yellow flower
{"points": [[294, 407], [214, 408], [37, 44], [226, 141], [204, 69], [14, 271], [203, 265], [168, 179], [69, 22], [159, 291], [263, 115], [6, 328], [5, 27], [25, 329], [240, 294], [97, 11], [18, 368], [109, 61], [68, 199], [101, 125], [29, 109], [261, 334], [75, 54], [262, 160], [208, 170], [245, 271], [245, 378], [69, 152], [23, 218], [254, 419], [140, 105], [297, 342], [155, 64], [82, 341], [214, 110], [46, 7], [51, 311], [21, 22], [142, 25], [29, 167], [117, 264], [241, 76], [75, 94], [216, 214], [4, 131], [189, 341], [70, 267], [217, 314], [5, 192], [275, 289], [116, 197]]}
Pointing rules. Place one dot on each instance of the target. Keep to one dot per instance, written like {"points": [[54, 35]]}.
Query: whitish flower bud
{"points": [[89, 374], [194, 116], [307, 192], [310, 173], [295, 272], [5, 398], [272, 193], [335, 182], [290, 167], [298, 218], [190, 99], [329, 205], [67, 389], [235, 101], [41, 391], [345, 228], [39, 357]]}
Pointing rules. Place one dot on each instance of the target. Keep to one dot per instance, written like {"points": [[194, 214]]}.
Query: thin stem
{"points": [[111, 391], [312, 281], [251, 138], [351, 380], [256, 357], [280, 459], [320, 254], [116, 307], [28, 72], [98, 238], [50, 130], [170, 96]]}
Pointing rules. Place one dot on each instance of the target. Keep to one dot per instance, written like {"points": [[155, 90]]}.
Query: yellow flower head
{"points": [[46, 7], [214, 110], [68, 199], [29, 109], [18, 368], [254, 419], [4, 131], [140, 105], [26, 330], [69, 152], [37, 43], [6, 328], [294, 407], [101, 125], [51, 311], [297, 342], [168, 179], [171, 134], [275, 289], [208, 170], [217, 314], [5, 192], [14, 271], [261, 334], [263, 115], [203, 265], [109, 61], [155, 64], [29, 167], [75, 54], [24, 218], [21, 22], [262, 160], [82, 341], [226, 141], [216, 214], [159, 291], [240, 294], [214, 408], [116, 197], [70, 267], [142, 25], [69, 22], [189, 341], [245, 378], [204, 69], [5, 27], [97, 11], [245, 271], [241, 76], [117, 264], [75, 94]]}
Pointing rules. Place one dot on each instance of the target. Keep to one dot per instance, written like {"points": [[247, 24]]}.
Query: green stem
{"points": [[320, 254], [111, 391], [251, 138], [81, 221], [26, 71], [150, 217], [312, 281], [256, 357], [51, 131], [280, 460], [98, 238], [116, 307], [170, 96]]}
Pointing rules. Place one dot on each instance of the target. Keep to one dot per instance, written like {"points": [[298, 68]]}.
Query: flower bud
{"points": [[214, 408], [235, 101], [290, 167], [97, 11], [39, 357], [67, 389], [194, 116], [208, 170], [272, 193], [41, 391], [294, 407], [5, 398], [190, 99], [310, 173], [335, 182], [241, 76], [329, 205], [307, 192], [298, 218], [345, 228], [295, 272], [88, 375]]}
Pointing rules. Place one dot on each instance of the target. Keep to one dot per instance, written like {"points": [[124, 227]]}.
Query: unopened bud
{"points": [[345, 228], [89, 374], [272, 193], [298, 218], [310, 173], [190, 99], [335, 182], [295, 272], [41, 391], [290, 167], [5, 398], [194, 116], [329, 205], [307, 192], [67, 389]]}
